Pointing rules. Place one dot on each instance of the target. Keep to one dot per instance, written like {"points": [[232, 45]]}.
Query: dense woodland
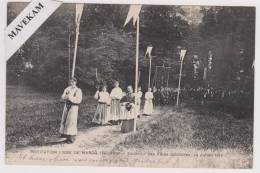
{"points": [[229, 32]]}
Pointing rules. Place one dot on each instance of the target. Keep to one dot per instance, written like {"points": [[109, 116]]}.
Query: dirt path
{"points": [[91, 140]]}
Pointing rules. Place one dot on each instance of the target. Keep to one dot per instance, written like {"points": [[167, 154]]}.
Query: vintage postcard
{"points": [[130, 85]]}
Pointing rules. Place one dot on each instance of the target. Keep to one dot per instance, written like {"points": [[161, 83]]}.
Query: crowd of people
{"points": [[164, 95], [124, 108]]}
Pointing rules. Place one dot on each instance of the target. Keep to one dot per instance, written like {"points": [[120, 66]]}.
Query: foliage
{"points": [[103, 44]]}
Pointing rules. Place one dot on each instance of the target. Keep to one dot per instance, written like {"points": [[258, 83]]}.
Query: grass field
{"points": [[31, 116], [197, 130]]}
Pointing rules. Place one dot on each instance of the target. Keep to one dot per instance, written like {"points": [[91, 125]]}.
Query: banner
{"points": [[182, 54], [133, 12], [149, 51], [26, 23], [79, 10]]}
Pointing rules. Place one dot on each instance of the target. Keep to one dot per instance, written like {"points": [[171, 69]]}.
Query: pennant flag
{"points": [[27, 22], [133, 12], [183, 53], [79, 10], [149, 50]]}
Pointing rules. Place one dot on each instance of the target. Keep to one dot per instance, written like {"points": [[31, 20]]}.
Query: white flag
{"points": [[183, 53], [133, 12], [26, 23], [79, 10], [149, 51], [253, 65]]}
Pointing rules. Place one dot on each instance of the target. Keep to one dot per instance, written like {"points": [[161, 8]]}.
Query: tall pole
{"points": [[136, 65], [139, 75], [150, 66], [96, 73], [168, 76], [179, 85], [69, 55], [75, 52]]}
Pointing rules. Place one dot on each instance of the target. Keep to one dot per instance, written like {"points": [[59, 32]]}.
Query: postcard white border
{"points": [[76, 169]]}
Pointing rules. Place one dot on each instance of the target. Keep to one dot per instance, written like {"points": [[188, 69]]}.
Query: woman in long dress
{"points": [[129, 113], [148, 104], [101, 116], [115, 95]]}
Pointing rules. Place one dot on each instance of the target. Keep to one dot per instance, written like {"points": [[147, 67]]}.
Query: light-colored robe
{"points": [[69, 117], [148, 104], [138, 103], [102, 113], [115, 95]]}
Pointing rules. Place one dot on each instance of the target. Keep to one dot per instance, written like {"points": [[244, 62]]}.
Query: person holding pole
{"points": [[133, 13], [128, 111], [72, 96]]}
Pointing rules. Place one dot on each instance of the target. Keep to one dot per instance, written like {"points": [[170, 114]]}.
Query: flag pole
{"points": [[75, 52], [168, 76], [96, 73], [136, 65], [69, 54], [179, 85], [150, 66]]}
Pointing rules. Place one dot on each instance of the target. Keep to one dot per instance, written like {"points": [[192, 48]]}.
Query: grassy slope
{"points": [[31, 116], [191, 129]]}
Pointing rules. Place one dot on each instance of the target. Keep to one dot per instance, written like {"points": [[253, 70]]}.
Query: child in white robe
{"points": [[138, 99], [148, 104]]}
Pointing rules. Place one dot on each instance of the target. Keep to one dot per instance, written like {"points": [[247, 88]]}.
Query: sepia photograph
{"points": [[131, 85]]}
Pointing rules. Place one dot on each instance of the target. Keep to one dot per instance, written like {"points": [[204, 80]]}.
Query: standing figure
{"points": [[72, 96], [148, 104], [115, 95], [102, 113], [128, 111], [138, 99]]}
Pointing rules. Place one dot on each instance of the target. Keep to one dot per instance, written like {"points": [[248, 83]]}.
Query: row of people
{"points": [[164, 96], [114, 107], [117, 106]]}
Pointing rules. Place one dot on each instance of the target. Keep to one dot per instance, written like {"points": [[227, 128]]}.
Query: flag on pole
{"points": [[79, 10], [182, 54], [149, 51], [253, 65], [133, 12]]}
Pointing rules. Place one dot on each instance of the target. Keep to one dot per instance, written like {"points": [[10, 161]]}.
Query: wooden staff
{"points": [[150, 67], [136, 64], [69, 54], [75, 53]]}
